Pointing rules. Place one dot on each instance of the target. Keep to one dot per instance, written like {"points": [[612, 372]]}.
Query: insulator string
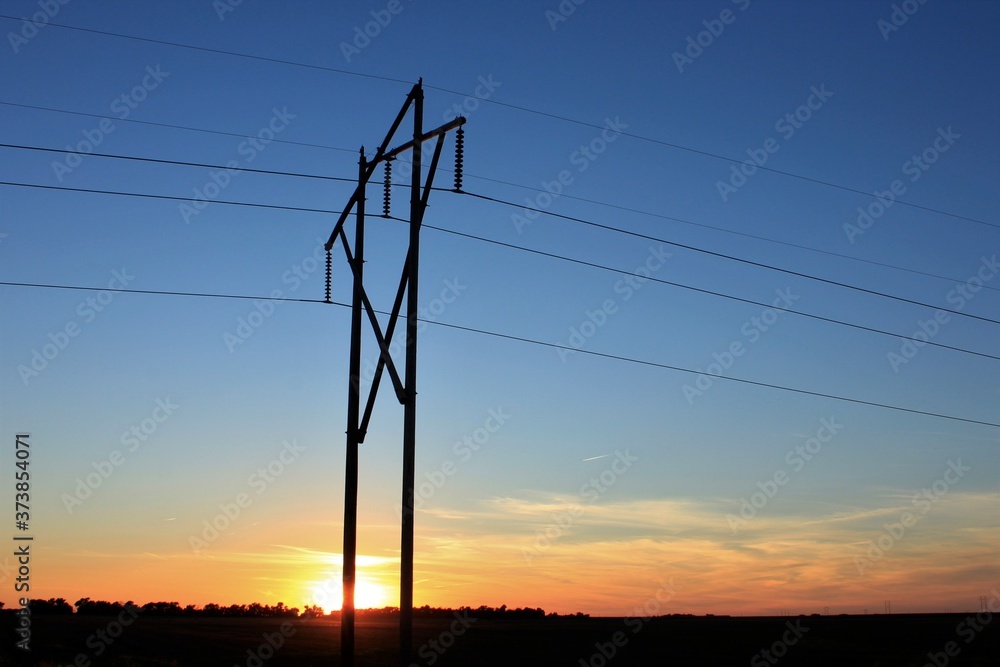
{"points": [[459, 157], [329, 274], [387, 189]]}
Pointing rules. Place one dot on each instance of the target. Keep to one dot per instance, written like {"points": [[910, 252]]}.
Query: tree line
{"points": [[88, 607]]}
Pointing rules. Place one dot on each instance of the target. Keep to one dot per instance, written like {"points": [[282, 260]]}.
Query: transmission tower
{"points": [[406, 387]]}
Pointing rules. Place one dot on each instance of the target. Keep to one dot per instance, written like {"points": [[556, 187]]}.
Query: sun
{"points": [[368, 594]]}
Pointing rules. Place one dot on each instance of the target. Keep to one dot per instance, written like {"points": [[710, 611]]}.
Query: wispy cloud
{"points": [[793, 558]]}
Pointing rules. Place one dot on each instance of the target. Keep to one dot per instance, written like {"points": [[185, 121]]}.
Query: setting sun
{"points": [[368, 594]]}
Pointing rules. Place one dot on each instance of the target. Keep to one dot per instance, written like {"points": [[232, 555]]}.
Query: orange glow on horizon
{"points": [[799, 562]]}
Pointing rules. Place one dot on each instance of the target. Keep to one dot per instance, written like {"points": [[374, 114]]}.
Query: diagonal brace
{"points": [[390, 329], [376, 327]]}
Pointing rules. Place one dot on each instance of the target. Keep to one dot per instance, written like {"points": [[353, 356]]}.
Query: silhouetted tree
{"points": [[161, 609], [52, 606], [312, 611], [89, 607]]}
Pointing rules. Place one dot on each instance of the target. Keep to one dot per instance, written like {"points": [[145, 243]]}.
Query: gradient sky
{"points": [[519, 521]]}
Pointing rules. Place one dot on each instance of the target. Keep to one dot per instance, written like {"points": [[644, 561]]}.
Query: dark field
{"points": [[845, 641]]}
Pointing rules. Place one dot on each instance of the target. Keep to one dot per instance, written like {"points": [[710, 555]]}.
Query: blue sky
{"points": [[868, 100]]}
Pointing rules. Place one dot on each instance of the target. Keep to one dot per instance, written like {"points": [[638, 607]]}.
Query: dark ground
{"points": [[845, 641]]}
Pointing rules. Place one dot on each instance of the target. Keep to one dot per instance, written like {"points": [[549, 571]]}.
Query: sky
{"points": [[192, 448]]}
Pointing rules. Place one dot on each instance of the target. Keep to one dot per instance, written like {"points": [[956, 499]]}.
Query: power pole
{"points": [[353, 427], [410, 408], [406, 391]]}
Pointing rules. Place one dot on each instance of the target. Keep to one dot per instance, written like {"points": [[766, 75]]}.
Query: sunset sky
{"points": [[547, 477]]}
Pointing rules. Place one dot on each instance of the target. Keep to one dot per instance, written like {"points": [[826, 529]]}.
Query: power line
{"points": [[208, 295], [523, 339], [730, 160], [188, 164], [162, 42], [724, 256], [167, 197], [509, 106], [698, 289], [720, 377], [173, 127], [484, 178], [482, 239], [500, 201], [728, 231]]}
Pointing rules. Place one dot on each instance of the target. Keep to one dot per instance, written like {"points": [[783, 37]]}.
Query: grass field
{"points": [[845, 641]]}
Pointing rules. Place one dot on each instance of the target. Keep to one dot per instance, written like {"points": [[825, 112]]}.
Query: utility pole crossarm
{"points": [[382, 157], [444, 129]]}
